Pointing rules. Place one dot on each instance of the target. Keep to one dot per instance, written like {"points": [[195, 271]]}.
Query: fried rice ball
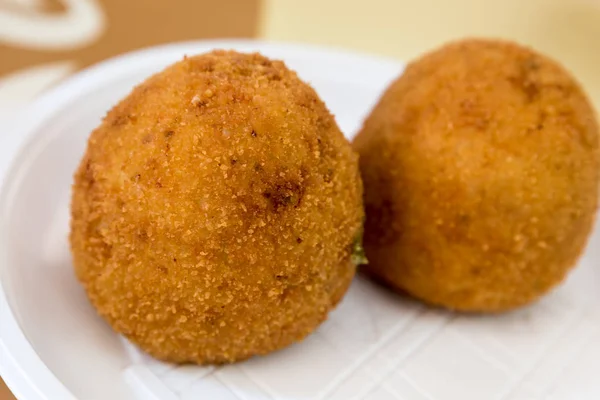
{"points": [[216, 210], [481, 167]]}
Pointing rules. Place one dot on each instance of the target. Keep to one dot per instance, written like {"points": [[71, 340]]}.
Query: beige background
{"points": [[568, 30]]}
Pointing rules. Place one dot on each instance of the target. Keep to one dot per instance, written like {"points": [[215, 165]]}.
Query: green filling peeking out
{"points": [[358, 256]]}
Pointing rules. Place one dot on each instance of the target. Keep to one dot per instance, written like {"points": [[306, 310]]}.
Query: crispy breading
{"points": [[215, 209], [481, 168]]}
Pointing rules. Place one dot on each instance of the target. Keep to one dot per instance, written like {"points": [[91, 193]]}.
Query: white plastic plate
{"points": [[376, 345]]}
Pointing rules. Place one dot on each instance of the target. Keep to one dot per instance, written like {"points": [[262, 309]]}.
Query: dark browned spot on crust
{"points": [[202, 65], [162, 269], [328, 175], [322, 147], [285, 293], [474, 115], [152, 163], [89, 173], [463, 219], [286, 194], [105, 250], [121, 119], [411, 119], [541, 120], [274, 76], [307, 102], [324, 122], [142, 235], [526, 81], [149, 138], [212, 315]]}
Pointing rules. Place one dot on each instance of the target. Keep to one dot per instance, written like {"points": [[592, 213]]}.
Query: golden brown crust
{"points": [[481, 168], [214, 210]]}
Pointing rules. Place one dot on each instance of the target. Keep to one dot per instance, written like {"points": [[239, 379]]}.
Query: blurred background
{"points": [[44, 41]]}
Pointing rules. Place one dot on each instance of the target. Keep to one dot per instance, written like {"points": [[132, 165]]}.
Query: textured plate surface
{"points": [[376, 345]]}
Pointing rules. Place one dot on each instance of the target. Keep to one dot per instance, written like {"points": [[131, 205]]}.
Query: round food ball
{"points": [[215, 211], [480, 166]]}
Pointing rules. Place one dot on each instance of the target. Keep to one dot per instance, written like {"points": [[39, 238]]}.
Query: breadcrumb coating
{"points": [[481, 169], [215, 210]]}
